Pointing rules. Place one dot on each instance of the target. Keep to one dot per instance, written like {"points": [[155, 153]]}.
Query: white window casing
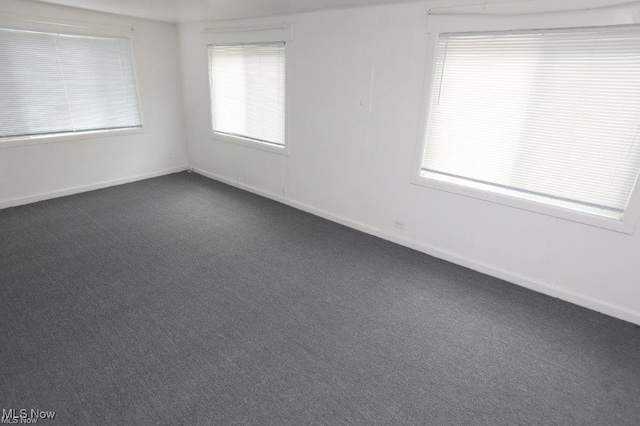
{"points": [[546, 120], [61, 83], [248, 90], [250, 95]]}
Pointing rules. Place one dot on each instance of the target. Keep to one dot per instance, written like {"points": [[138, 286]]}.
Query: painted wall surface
{"points": [[27, 172], [357, 79]]}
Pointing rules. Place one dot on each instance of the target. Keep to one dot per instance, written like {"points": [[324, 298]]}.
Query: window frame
{"points": [[227, 36], [27, 23], [477, 23]]}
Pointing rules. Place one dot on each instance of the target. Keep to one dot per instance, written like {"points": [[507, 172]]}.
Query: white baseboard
{"points": [[84, 188], [521, 280]]}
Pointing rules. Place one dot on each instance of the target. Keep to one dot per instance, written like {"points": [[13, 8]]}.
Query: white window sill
{"points": [[623, 223], [19, 141], [251, 143]]}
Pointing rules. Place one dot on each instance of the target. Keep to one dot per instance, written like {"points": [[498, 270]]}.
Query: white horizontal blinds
{"points": [[55, 83], [555, 114], [248, 90]]}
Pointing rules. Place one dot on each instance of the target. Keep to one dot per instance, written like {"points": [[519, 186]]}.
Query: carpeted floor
{"points": [[180, 300]]}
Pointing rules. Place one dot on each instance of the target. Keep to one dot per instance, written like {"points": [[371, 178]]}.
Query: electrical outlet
{"points": [[398, 224]]}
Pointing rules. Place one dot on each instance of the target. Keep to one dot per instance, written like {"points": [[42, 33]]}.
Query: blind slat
{"points": [[555, 114], [56, 83]]}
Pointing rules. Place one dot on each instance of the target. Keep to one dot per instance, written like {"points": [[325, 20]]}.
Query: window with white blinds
{"points": [[551, 116], [55, 83], [248, 91]]}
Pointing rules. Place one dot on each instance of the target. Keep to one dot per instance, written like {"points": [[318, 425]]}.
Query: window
{"points": [[56, 83], [550, 116], [248, 91]]}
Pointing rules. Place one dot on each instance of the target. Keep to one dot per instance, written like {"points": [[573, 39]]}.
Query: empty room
{"points": [[281, 212]]}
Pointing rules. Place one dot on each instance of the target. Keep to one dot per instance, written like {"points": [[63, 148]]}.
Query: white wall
{"points": [[29, 173], [356, 83]]}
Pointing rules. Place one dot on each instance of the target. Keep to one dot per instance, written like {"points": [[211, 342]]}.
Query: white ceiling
{"points": [[200, 10]]}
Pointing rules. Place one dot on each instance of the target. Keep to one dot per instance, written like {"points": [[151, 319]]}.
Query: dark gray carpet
{"points": [[180, 300]]}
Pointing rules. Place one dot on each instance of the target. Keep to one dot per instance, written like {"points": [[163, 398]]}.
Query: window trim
{"points": [[244, 140], [36, 24], [630, 217], [252, 143], [43, 139], [225, 36]]}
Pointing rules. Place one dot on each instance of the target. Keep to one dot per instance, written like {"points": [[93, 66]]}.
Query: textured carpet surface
{"points": [[180, 300]]}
